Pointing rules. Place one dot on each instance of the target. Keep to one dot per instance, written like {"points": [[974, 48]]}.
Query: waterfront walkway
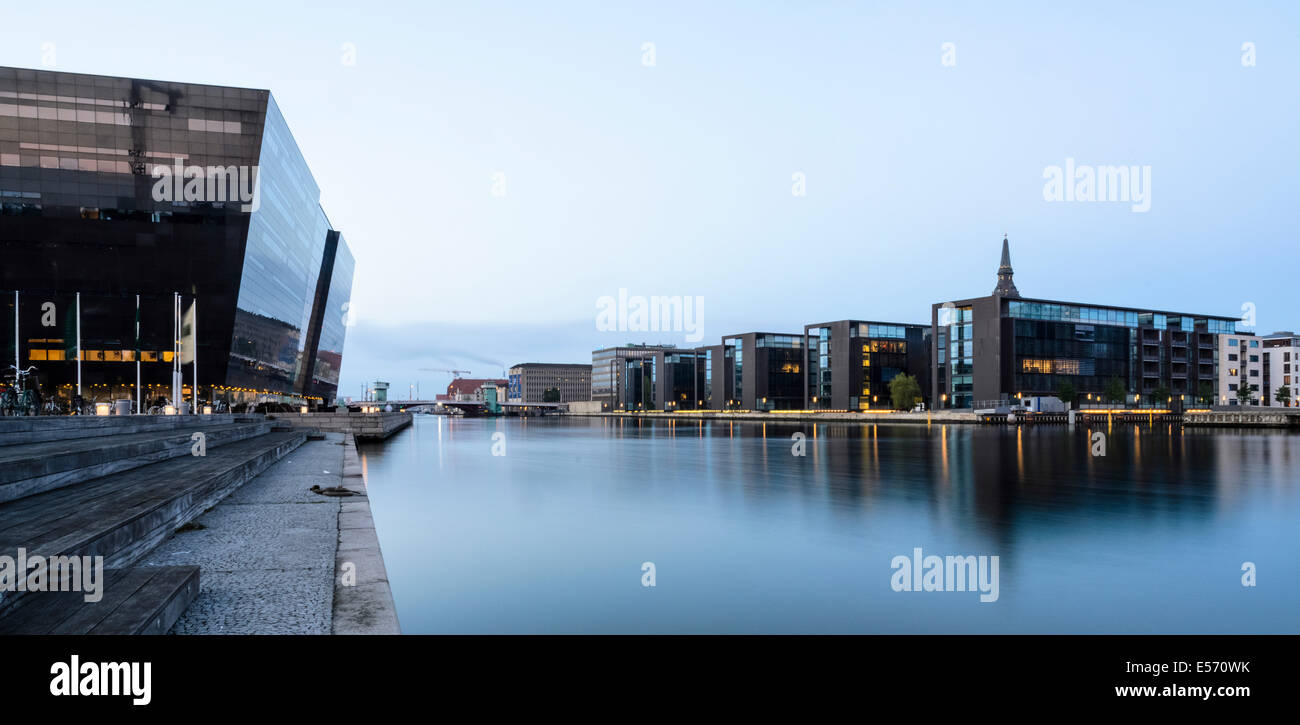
{"points": [[267, 553], [176, 508]]}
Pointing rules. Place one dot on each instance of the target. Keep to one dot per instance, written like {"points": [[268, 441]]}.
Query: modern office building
{"points": [[715, 381], [530, 381], [608, 370], [766, 370], [850, 362], [136, 213], [989, 350], [661, 380]]}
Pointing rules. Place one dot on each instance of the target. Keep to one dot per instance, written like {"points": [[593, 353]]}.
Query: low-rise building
{"points": [[1281, 354], [528, 382], [1241, 366], [468, 390]]}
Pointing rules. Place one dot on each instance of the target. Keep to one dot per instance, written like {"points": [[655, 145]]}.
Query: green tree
{"points": [[904, 391], [1115, 391], [1066, 392], [1160, 395], [1283, 395], [1206, 394], [1246, 393], [551, 395]]}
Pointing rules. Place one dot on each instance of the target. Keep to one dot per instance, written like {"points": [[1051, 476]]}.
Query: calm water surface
{"points": [[746, 537]]}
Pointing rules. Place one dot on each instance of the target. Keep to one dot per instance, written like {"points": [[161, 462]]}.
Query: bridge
{"points": [[472, 407]]}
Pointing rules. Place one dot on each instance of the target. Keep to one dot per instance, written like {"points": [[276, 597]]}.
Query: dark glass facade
{"points": [[609, 384], [766, 370], [851, 362], [991, 350], [89, 214]]}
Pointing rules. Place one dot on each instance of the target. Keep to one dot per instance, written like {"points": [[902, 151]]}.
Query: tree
{"points": [[1206, 394], [1246, 393], [551, 395], [904, 391], [1066, 392], [1160, 395], [1115, 391], [1283, 395]]}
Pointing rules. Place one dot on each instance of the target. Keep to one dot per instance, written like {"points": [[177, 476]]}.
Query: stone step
{"points": [[27, 469], [41, 428], [123, 515], [140, 600]]}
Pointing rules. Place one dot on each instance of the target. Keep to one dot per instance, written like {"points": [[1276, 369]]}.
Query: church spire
{"points": [[1006, 287]]}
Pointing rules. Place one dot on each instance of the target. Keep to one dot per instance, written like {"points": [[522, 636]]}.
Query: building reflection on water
{"points": [[1088, 543]]}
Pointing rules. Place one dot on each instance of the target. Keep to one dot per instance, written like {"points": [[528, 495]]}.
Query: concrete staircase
{"points": [[115, 487], [37, 467]]}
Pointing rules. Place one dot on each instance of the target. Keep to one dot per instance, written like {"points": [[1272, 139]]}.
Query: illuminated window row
{"points": [[102, 355]]}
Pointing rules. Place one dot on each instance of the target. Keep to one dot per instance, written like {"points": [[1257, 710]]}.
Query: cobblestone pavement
{"points": [[266, 552]]}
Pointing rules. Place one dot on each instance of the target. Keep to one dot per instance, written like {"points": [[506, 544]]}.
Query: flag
{"points": [[189, 343]]}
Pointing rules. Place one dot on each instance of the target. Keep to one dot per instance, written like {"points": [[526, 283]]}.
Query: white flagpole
{"points": [[139, 407], [79, 347], [194, 335], [176, 350], [17, 359]]}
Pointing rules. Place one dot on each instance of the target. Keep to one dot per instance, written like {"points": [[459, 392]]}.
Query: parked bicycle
{"points": [[19, 398], [159, 406]]}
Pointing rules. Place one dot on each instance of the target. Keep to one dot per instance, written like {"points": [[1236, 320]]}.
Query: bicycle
{"points": [[159, 406], [18, 399]]}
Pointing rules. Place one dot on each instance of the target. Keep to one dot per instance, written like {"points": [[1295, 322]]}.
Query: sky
{"points": [[498, 168]]}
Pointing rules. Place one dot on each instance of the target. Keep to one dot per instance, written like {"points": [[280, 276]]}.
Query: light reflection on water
{"points": [[747, 537]]}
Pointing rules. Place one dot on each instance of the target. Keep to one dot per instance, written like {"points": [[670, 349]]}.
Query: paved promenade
{"points": [[267, 552]]}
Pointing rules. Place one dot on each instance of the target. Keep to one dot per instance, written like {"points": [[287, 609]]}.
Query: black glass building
{"points": [[147, 226], [850, 363], [766, 370], [989, 351]]}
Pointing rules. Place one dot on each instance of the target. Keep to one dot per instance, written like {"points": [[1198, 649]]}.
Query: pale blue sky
{"points": [[675, 179]]}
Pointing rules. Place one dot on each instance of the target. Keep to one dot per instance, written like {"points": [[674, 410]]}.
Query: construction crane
{"points": [[456, 373]]}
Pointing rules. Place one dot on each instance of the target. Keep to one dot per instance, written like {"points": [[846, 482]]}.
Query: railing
{"points": [[982, 404]]}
